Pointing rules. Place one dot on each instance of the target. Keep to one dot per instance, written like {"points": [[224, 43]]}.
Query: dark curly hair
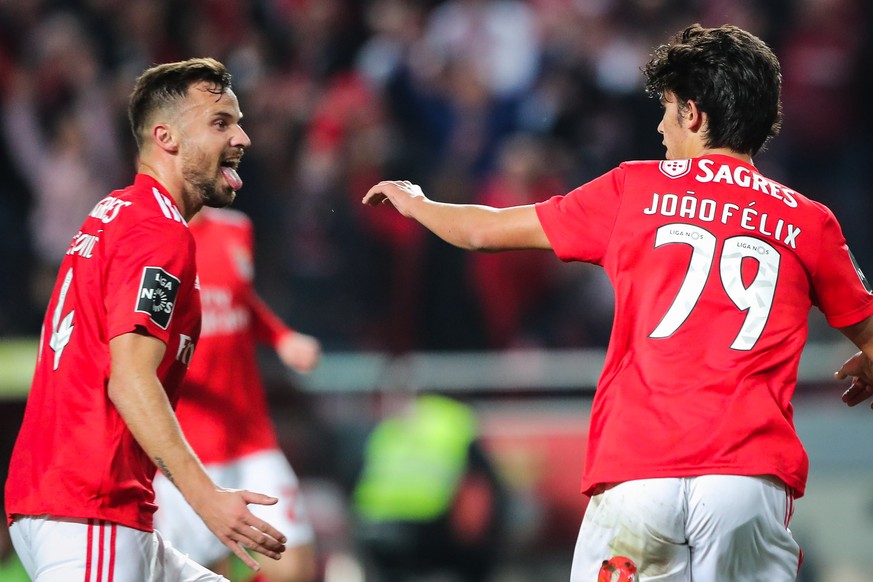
{"points": [[731, 75], [163, 85]]}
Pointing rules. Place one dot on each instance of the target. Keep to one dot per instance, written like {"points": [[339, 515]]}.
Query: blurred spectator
{"points": [[339, 92], [428, 500], [57, 123], [510, 286], [822, 149]]}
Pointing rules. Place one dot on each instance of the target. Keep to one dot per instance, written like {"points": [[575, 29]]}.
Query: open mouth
{"points": [[229, 171]]}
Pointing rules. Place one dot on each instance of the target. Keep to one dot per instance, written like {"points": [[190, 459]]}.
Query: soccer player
{"points": [[223, 408], [119, 332], [693, 461]]}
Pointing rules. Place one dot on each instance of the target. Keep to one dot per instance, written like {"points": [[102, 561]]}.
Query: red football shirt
{"points": [[715, 269], [223, 408], [130, 266]]}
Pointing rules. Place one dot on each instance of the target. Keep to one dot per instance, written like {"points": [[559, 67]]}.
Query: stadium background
{"points": [[500, 101]]}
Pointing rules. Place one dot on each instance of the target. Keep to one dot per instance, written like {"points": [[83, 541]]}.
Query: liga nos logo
{"points": [[157, 295], [675, 168]]}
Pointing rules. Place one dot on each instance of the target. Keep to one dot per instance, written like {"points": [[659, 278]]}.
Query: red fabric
{"points": [[223, 409], [508, 285], [74, 456], [712, 395]]}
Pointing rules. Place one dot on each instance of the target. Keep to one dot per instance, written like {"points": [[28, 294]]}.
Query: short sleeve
{"points": [[579, 225], [840, 289], [150, 262]]}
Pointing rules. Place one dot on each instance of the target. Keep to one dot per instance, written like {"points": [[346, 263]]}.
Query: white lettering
{"points": [[746, 178], [83, 245], [107, 209], [687, 206], [186, 349]]}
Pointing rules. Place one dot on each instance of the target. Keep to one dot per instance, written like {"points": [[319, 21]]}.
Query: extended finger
{"points": [[262, 543], [240, 553], [265, 533], [857, 393]]}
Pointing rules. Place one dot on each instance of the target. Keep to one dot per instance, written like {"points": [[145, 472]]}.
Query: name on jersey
{"points": [[108, 208], [708, 210], [83, 244]]}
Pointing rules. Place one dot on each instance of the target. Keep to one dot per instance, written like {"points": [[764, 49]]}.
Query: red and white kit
{"points": [[131, 266], [715, 269]]}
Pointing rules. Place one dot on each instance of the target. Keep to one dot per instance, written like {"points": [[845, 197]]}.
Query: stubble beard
{"points": [[213, 192]]}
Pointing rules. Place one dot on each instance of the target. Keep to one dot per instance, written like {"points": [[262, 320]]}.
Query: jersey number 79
{"points": [[756, 299]]}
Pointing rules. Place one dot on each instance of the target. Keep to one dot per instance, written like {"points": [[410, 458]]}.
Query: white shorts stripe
{"points": [[100, 560]]}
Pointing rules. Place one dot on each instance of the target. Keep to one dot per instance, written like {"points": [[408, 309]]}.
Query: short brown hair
{"points": [[163, 85]]}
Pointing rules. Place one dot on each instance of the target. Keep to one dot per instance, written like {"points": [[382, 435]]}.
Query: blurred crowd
{"points": [[494, 101]]}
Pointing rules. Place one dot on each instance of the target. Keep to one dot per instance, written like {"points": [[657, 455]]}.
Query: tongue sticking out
{"points": [[232, 178]]}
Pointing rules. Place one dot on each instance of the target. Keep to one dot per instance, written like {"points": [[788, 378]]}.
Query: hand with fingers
{"points": [[399, 193], [226, 514], [299, 351], [860, 369]]}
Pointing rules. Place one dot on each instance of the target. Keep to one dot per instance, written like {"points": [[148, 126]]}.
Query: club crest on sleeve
{"points": [[675, 168], [157, 295]]}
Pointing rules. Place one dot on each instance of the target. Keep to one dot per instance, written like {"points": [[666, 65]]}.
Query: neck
{"points": [[727, 152], [174, 186]]}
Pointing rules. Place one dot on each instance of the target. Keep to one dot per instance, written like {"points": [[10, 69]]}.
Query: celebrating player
{"points": [[223, 409], [117, 338], [693, 461]]}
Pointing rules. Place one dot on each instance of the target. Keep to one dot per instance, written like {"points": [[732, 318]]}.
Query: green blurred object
{"points": [[239, 572], [414, 462], [17, 361], [11, 570]]}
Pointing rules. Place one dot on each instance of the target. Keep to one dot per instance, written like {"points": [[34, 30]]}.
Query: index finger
{"points": [[375, 195]]}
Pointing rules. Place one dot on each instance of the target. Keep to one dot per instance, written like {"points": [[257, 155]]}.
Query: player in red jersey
{"points": [[117, 338], [693, 461], [223, 408]]}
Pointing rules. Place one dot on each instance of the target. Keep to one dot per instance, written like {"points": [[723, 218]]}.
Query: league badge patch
{"points": [[157, 295], [675, 168]]}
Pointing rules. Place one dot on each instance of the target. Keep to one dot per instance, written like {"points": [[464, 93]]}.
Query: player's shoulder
{"points": [[664, 168], [143, 201]]}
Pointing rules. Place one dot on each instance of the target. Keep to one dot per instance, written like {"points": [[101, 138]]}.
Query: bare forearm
{"points": [[144, 407], [467, 226], [141, 401], [462, 225]]}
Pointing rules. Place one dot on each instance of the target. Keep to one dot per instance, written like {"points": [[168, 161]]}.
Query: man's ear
{"points": [[165, 138], [694, 117]]}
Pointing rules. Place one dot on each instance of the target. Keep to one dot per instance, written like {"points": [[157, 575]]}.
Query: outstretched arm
{"points": [[137, 393], [860, 366], [467, 226]]}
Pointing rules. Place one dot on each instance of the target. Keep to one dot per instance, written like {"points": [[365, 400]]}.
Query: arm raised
{"points": [[467, 226]]}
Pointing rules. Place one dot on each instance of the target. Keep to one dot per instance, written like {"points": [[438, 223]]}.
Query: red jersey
{"points": [[130, 266], [223, 408], [715, 269]]}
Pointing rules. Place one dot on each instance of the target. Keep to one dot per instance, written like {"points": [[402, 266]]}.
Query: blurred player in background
{"points": [[117, 338], [223, 407], [693, 462]]}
